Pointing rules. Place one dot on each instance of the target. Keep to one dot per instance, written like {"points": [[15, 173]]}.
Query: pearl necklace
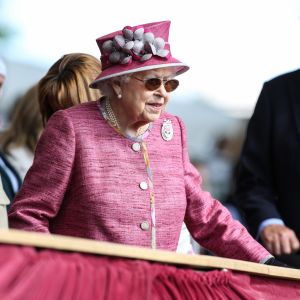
{"points": [[111, 115], [114, 121]]}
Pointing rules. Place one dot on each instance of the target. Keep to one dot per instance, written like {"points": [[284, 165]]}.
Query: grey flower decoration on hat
{"points": [[134, 45], [136, 49]]}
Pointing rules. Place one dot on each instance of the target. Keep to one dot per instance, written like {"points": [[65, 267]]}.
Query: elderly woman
{"points": [[118, 169]]}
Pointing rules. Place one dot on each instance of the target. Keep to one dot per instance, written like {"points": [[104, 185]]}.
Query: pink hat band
{"points": [[136, 49]]}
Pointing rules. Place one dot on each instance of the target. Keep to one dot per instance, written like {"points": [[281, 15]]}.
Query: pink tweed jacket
{"points": [[85, 180]]}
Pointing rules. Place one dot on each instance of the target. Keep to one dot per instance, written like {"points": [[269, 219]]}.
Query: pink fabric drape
{"points": [[27, 273]]}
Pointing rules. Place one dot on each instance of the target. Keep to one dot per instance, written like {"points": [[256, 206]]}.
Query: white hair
{"points": [[105, 86]]}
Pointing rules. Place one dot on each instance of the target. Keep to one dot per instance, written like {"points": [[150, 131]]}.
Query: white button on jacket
{"points": [[145, 225], [143, 185], [136, 147]]}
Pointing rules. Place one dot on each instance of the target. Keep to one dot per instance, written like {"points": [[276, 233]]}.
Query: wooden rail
{"points": [[201, 262]]}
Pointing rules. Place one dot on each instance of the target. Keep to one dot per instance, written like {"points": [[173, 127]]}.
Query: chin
{"points": [[153, 117]]}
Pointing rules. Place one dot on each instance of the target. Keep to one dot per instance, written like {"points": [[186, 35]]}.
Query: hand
{"points": [[279, 239]]}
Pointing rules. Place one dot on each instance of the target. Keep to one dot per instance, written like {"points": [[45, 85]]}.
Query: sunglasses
{"points": [[153, 84]]}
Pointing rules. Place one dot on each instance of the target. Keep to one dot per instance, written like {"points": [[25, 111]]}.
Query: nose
{"points": [[162, 91]]}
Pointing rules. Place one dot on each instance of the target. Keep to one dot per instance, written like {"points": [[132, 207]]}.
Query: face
{"points": [[140, 104]]}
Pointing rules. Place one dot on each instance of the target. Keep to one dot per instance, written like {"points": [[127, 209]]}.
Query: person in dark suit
{"points": [[268, 181]]}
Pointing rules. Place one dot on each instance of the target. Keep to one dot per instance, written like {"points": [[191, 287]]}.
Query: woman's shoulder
{"points": [[78, 112], [85, 115], [176, 120], [83, 107], [167, 115]]}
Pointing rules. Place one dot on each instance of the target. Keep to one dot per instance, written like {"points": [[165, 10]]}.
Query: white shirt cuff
{"points": [[266, 258], [267, 222]]}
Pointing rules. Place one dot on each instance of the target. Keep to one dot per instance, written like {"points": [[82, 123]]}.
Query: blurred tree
{"points": [[5, 31]]}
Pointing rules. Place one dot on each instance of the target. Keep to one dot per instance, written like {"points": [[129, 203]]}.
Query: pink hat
{"points": [[135, 49]]}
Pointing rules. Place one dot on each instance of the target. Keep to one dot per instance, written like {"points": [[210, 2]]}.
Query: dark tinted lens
{"points": [[153, 84], [171, 85]]}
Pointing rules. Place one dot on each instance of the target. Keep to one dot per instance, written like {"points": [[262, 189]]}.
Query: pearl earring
{"points": [[119, 96]]}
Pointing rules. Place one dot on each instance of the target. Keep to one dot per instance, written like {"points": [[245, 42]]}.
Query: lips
{"points": [[155, 106]]}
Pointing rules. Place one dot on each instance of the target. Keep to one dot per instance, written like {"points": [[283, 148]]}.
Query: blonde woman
{"points": [[67, 83]]}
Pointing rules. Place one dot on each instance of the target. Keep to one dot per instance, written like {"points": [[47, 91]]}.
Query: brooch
{"points": [[167, 130]]}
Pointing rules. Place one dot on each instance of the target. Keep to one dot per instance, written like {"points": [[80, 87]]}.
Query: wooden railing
{"points": [[201, 262]]}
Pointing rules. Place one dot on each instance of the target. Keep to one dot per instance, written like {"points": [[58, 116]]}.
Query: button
{"points": [[145, 225], [136, 147], [143, 185]]}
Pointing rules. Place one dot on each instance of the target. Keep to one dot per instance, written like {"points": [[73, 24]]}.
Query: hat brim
{"points": [[119, 70]]}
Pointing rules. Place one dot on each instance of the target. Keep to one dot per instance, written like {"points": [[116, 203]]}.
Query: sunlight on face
{"points": [[141, 104]]}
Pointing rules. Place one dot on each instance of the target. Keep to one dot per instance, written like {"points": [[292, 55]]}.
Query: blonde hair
{"points": [[25, 123], [67, 83]]}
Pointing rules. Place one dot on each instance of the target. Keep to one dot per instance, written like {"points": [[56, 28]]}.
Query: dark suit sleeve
{"points": [[255, 194]]}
